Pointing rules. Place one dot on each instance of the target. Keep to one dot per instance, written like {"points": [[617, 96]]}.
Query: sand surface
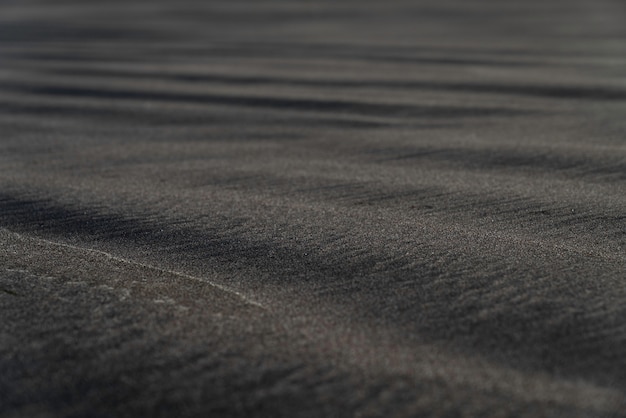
{"points": [[313, 208]]}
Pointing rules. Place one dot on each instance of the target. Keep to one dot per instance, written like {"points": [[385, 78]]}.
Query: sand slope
{"points": [[239, 208]]}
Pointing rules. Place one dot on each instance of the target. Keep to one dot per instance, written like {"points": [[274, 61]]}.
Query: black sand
{"points": [[324, 209]]}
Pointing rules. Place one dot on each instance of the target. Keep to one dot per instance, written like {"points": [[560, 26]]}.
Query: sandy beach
{"points": [[313, 209]]}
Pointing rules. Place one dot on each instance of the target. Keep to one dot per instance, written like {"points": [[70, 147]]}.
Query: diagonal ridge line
{"points": [[110, 256]]}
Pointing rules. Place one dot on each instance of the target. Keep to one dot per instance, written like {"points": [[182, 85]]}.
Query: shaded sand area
{"points": [[313, 209]]}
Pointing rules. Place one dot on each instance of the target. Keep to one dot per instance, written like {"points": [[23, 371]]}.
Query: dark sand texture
{"points": [[313, 209]]}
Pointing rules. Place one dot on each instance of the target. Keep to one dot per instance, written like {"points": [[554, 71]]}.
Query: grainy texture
{"points": [[313, 209]]}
